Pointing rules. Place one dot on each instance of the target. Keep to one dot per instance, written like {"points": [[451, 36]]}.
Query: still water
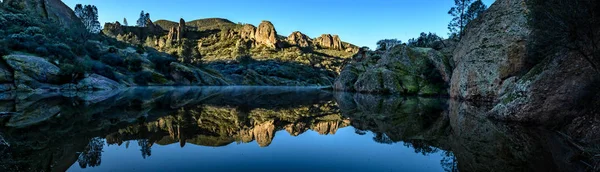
{"points": [[261, 128]]}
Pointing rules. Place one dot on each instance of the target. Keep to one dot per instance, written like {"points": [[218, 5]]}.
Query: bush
{"points": [[21, 41], [93, 50], [245, 59], [112, 59], [162, 62], [134, 63], [42, 51], [61, 52], [71, 72], [33, 30], [3, 48], [142, 77], [102, 69]]}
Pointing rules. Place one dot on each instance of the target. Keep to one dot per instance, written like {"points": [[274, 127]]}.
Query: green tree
{"points": [[125, 22], [428, 40], [141, 22], [387, 44], [88, 15], [464, 12]]}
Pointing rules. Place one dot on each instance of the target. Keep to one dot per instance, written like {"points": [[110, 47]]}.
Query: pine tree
{"points": [[125, 22], [141, 22], [460, 20], [463, 13], [88, 15]]}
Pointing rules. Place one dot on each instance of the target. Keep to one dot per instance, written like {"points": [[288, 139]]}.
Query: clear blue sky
{"points": [[361, 22]]}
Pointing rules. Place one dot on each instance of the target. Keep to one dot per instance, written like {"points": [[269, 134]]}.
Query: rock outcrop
{"points": [[248, 31], [113, 28], [177, 33], [266, 34], [401, 70], [299, 39], [32, 73], [492, 64], [54, 10], [492, 50], [185, 75], [330, 42]]}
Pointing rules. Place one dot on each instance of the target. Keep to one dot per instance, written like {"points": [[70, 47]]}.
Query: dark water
{"points": [[263, 128]]}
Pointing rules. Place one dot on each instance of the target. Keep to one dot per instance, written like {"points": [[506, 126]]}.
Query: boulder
{"points": [[266, 34], [185, 75], [27, 67], [96, 82], [492, 50], [378, 80], [113, 29], [330, 42], [299, 39], [248, 31], [345, 81]]}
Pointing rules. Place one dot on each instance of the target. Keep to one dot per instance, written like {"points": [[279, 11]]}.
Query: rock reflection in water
{"points": [[51, 132]]}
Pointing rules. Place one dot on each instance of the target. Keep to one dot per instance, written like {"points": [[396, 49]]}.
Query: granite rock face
{"points": [[248, 31], [54, 10], [32, 73], [492, 50], [330, 42], [299, 39], [266, 34], [493, 65]]}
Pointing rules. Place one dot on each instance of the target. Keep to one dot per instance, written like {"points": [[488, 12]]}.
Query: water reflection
{"points": [[55, 132]]}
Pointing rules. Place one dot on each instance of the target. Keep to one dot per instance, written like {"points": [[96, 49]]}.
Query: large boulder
{"points": [[266, 34], [96, 82], [299, 39], [54, 10], [378, 80], [492, 50], [345, 81], [113, 29], [248, 31], [330, 42], [32, 72], [185, 75]]}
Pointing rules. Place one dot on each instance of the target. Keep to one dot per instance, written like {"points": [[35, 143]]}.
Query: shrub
{"points": [[142, 77], [33, 30], [71, 72], [102, 69], [93, 50], [61, 52], [43, 51], [134, 63], [112, 59], [245, 59], [40, 39], [161, 62], [3, 48]]}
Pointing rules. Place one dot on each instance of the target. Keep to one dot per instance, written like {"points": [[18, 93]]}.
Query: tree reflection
{"points": [[91, 157], [449, 162], [145, 147], [382, 138]]}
